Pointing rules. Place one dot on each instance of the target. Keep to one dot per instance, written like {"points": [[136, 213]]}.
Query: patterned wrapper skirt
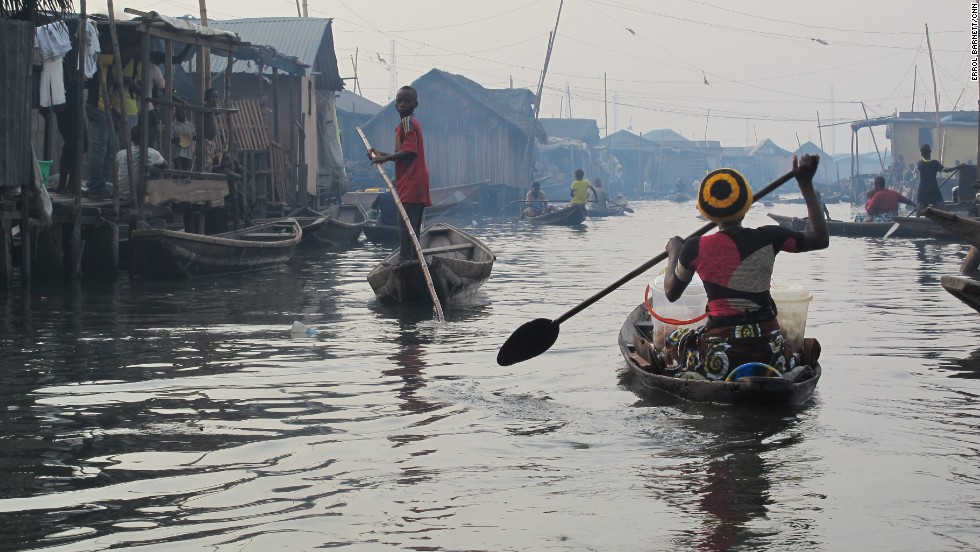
{"points": [[714, 353]]}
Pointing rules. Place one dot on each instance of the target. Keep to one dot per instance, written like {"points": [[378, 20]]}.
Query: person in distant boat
{"points": [[928, 192], [601, 197], [536, 202], [736, 266], [411, 172], [882, 203], [579, 189], [386, 209]]}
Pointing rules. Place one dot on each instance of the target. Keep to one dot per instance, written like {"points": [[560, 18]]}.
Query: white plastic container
{"points": [[690, 305], [298, 328], [792, 302]]}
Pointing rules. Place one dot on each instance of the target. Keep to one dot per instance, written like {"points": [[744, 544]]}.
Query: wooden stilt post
{"points": [[138, 184], [76, 243], [121, 95], [168, 94]]}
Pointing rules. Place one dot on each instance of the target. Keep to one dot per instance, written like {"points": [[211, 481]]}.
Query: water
{"points": [[185, 416]]}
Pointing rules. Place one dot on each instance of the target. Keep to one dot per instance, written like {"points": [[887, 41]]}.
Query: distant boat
{"points": [[443, 199], [169, 254], [309, 220], [909, 227], [346, 221], [459, 264], [572, 215]]}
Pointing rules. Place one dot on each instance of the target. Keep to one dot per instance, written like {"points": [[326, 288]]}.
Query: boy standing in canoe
{"points": [[411, 173], [580, 189], [736, 266]]}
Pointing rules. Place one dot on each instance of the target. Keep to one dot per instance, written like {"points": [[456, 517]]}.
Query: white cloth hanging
{"points": [[52, 82], [53, 40], [92, 48]]}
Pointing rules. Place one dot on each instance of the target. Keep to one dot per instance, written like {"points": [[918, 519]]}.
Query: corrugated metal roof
{"points": [[309, 39], [292, 36], [353, 103]]}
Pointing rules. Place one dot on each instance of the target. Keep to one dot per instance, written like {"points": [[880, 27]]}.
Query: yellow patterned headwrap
{"points": [[724, 196]]}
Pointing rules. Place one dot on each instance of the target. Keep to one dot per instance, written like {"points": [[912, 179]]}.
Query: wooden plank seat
{"points": [[448, 249]]}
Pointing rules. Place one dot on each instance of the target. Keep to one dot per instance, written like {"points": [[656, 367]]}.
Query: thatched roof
{"points": [[23, 9]]}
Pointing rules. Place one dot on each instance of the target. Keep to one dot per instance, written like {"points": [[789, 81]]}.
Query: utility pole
{"points": [[392, 74], [915, 79], [605, 103]]}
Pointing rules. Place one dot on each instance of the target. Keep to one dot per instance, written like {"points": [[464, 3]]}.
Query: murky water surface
{"points": [[183, 416]]}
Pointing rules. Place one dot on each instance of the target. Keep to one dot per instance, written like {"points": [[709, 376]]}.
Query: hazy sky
{"points": [[768, 69]]}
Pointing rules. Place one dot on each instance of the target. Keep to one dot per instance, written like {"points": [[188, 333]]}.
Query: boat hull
{"points": [[572, 215], [166, 254], [343, 227], [909, 227], [456, 274], [745, 391]]}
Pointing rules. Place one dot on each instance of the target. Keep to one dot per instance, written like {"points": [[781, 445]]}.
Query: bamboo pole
{"points": [[935, 91], [207, 51], [76, 243], [820, 133], [138, 185], [411, 232], [117, 66], [168, 120], [873, 140]]}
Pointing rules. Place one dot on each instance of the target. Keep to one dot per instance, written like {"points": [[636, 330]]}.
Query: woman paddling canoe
{"points": [[736, 265]]}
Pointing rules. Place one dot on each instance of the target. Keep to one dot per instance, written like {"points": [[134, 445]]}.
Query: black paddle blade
{"points": [[528, 341]]}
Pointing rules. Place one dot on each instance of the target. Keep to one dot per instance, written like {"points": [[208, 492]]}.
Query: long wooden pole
{"points": [[915, 79], [207, 51], [411, 231], [820, 133], [935, 91], [117, 67], [76, 243], [873, 139]]}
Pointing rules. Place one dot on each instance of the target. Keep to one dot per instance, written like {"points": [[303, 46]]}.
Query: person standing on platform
{"points": [[411, 173]]}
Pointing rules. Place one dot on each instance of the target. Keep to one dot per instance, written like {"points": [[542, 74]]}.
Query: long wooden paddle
{"points": [[537, 336], [408, 228]]}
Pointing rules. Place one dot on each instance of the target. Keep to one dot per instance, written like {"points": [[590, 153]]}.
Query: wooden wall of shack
{"points": [[16, 47], [465, 141]]}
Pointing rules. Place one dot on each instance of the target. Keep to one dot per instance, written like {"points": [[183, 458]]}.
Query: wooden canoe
{"points": [[749, 390], [965, 228], [309, 220], [962, 286], [611, 210], [344, 227], [572, 215], [458, 261], [909, 227], [168, 254]]}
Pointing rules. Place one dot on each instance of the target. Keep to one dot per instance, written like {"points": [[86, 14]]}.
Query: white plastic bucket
{"points": [[792, 303], [690, 306]]}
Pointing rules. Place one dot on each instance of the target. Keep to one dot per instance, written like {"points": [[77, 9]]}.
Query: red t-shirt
{"points": [[411, 176], [885, 201]]}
